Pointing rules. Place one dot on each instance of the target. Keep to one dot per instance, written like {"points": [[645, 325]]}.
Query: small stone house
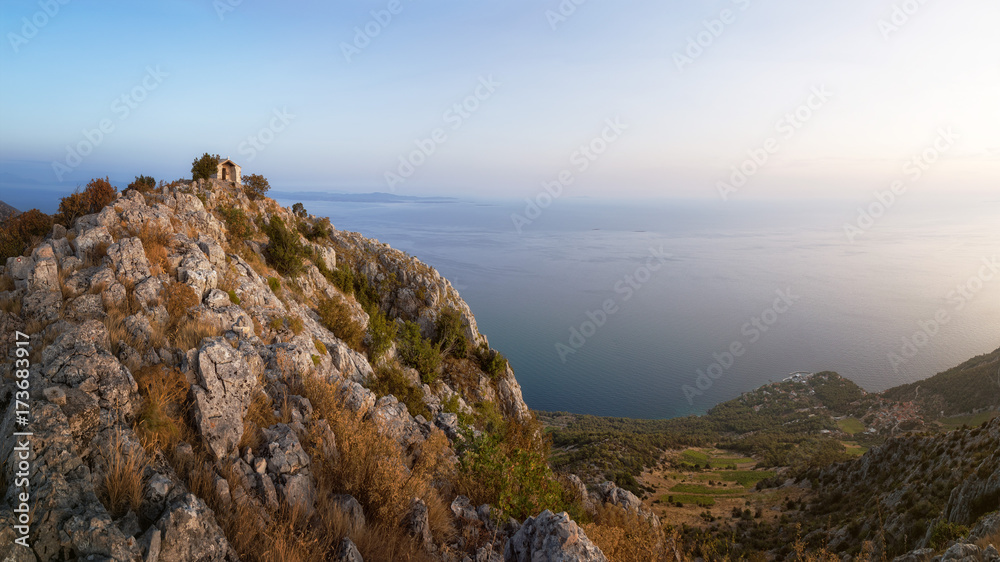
{"points": [[228, 171]]}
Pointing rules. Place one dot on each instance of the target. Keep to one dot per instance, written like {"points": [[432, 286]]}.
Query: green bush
{"points": [[419, 353], [274, 283], [491, 361], [232, 297], [16, 232], [299, 209], [142, 184], [337, 318], [391, 380], [451, 333], [255, 186], [381, 333], [945, 532], [205, 167], [238, 224], [284, 251]]}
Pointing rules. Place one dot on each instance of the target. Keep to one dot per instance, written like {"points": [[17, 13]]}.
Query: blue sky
{"points": [[212, 76]]}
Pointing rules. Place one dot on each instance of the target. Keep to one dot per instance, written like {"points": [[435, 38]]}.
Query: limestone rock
{"points": [[348, 552], [88, 241], [551, 537], [417, 522], [128, 258], [190, 532], [352, 510], [222, 395]]}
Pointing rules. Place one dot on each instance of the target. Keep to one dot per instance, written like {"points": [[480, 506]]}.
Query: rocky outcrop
{"points": [[551, 537], [222, 395]]}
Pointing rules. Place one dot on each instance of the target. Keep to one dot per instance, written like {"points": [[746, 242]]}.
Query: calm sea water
{"points": [[758, 289]]}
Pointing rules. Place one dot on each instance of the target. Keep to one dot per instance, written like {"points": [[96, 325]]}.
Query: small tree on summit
{"points": [[255, 186], [204, 167]]}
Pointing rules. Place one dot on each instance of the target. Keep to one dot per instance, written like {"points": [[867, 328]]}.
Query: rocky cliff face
{"points": [[180, 388]]}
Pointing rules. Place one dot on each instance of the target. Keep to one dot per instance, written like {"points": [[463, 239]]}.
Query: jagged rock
{"points": [[20, 269], [80, 359], [190, 532], [351, 509], [487, 554], [463, 509], [417, 522], [83, 412], [509, 396], [128, 258], [350, 364], [580, 489], [987, 526], [348, 552], [42, 306], [611, 493], [919, 555], [90, 239], [551, 537], [195, 270], [448, 423], [148, 291], [85, 307], [393, 419], [289, 463], [45, 276], [355, 397], [979, 493], [962, 552], [217, 299], [327, 440], [211, 248], [222, 395]]}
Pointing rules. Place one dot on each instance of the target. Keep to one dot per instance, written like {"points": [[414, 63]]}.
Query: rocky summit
{"points": [[208, 376]]}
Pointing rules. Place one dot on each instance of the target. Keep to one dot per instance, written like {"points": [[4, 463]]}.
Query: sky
{"points": [[497, 98]]}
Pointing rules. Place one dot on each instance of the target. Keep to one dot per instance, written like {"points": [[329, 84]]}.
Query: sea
{"points": [[664, 308]]}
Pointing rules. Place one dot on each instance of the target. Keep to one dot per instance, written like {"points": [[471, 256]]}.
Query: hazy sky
{"points": [[331, 95]]}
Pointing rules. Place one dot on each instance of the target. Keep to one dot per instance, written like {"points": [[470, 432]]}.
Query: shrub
{"points": [[419, 353], [284, 251], [491, 361], [381, 333], [232, 297], [451, 333], [238, 224], [320, 346], [299, 209], [16, 232], [391, 380], [255, 186], [205, 167], [319, 229], [274, 283], [142, 184], [337, 318], [98, 194], [296, 325], [945, 532]]}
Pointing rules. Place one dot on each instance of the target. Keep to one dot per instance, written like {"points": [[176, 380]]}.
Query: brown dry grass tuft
{"points": [[6, 283], [96, 254], [11, 304], [191, 331], [164, 392], [627, 537], [122, 485], [259, 415]]}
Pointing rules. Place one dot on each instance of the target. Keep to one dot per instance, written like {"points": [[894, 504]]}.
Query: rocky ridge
{"points": [[202, 401]]}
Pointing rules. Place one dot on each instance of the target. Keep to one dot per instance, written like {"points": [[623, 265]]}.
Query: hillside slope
{"points": [[970, 387]]}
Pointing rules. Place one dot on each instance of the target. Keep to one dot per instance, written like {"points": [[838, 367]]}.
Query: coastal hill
{"points": [[203, 374]]}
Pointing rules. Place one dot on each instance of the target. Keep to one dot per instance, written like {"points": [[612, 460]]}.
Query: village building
{"points": [[228, 171]]}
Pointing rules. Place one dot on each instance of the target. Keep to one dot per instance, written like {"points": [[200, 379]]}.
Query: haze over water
{"points": [[852, 303]]}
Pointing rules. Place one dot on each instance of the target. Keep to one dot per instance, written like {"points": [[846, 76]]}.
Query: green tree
{"points": [[142, 184], [205, 167], [255, 186], [284, 251], [299, 209]]}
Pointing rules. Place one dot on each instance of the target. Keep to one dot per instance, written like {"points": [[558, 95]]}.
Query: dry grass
{"points": [[67, 293], [296, 325], [191, 331], [122, 486], [11, 305], [259, 415], [6, 282], [320, 346], [164, 392], [96, 254]]}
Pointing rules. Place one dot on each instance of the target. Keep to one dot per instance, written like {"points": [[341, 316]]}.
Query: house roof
{"points": [[221, 162]]}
